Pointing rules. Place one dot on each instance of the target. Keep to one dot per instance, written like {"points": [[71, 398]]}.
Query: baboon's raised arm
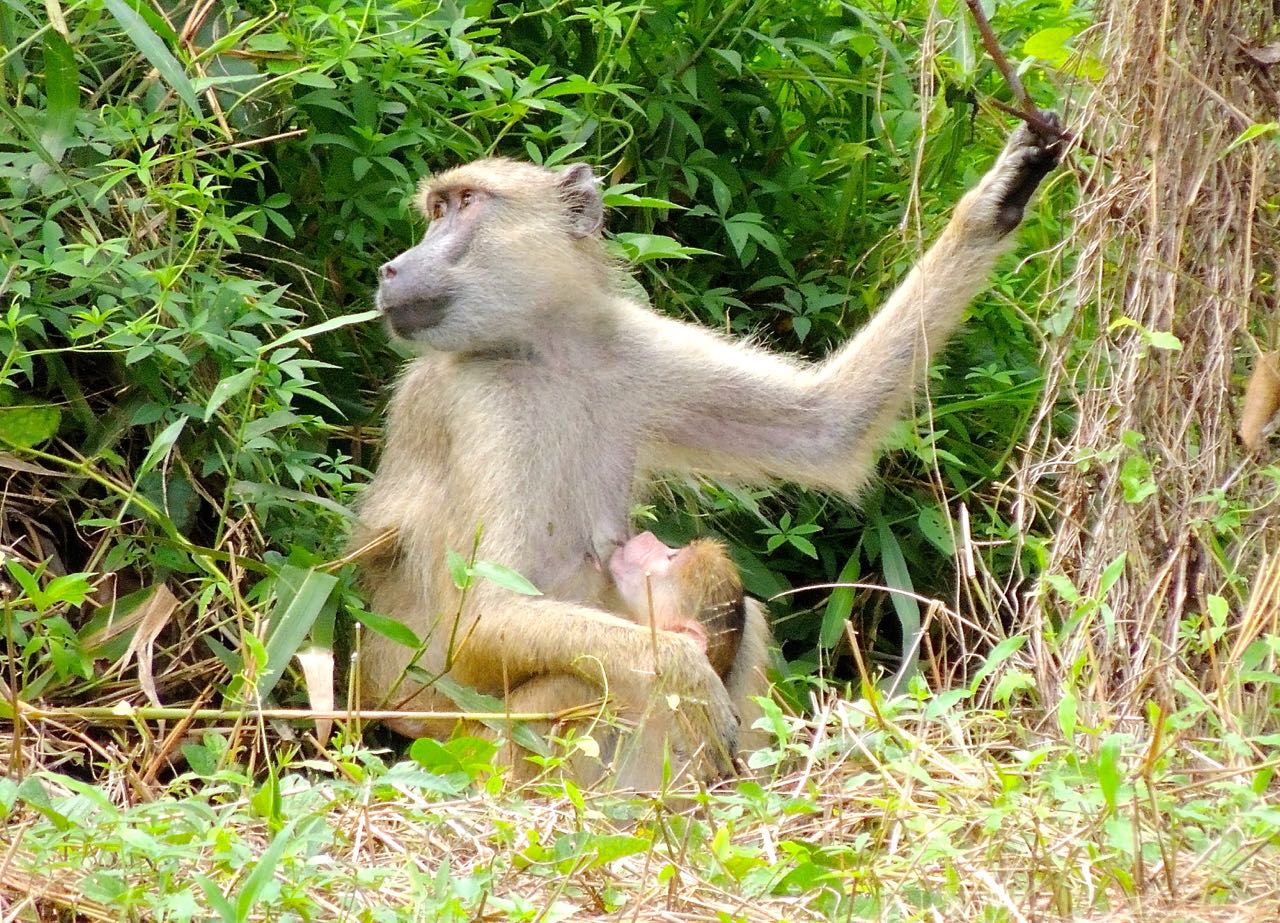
{"points": [[746, 413], [542, 389]]}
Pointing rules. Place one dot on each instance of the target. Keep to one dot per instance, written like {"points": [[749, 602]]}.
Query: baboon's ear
{"points": [[580, 191]]}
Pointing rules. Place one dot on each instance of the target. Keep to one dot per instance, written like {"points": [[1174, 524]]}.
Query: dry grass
{"points": [[897, 819]]}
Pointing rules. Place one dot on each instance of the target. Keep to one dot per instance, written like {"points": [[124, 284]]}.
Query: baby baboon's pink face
{"points": [[646, 573]]}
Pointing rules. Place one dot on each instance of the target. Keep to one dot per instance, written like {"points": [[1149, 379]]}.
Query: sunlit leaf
{"points": [[504, 577], [226, 389], [28, 425], [301, 594], [1110, 768], [62, 92], [392, 629]]}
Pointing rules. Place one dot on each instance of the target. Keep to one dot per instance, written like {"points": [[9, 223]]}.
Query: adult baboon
{"points": [[545, 396]]}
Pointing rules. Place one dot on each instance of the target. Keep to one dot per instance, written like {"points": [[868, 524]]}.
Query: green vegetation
{"points": [[193, 201]]}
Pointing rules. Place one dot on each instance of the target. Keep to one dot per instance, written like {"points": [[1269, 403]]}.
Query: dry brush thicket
{"points": [[1176, 231]]}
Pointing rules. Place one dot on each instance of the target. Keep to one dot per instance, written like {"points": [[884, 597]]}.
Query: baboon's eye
{"points": [[465, 198], [438, 209]]}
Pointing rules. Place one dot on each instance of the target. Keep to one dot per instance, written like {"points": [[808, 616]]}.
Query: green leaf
{"points": [[1110, 769], [333, 323], [935, 527], [449, 773], [32, 791], [153, 48], [217, 900], [1063, 586], [28, 425], [898, 576], [257, 491], [839, 604], [301, 595], [1256, 130], [226, 389], [504, 577], [390, 628], [265, 802], [459, 572], [1067, 706], [264, 870], [802, 544], [630, 200], [62, 93], [644, 248], [1012, 682], [999, 654], [29, 582], [730, 57], [1050, 44], [313, 79], [471, 700], [610, 847], [160, 448], [270, 41], [1111, 573], [72, 589], [1136, 479], [1163, 339]]}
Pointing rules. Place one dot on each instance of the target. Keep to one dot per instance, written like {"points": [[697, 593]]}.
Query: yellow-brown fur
{"points": [[709, 583]]}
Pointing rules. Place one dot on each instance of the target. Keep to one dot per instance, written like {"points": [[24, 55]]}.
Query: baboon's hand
{"points": [[710, 720], [999, 201]]}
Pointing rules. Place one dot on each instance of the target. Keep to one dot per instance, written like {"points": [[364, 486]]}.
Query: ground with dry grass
{"points": [[914, 812]]}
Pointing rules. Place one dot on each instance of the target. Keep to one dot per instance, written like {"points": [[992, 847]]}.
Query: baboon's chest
{"points": [[572, 456]]}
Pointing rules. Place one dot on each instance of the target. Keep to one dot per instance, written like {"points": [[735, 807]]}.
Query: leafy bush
{"points": [[195, 201]]}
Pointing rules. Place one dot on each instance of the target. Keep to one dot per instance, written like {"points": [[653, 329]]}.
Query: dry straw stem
{"points": [[1175, 236]]}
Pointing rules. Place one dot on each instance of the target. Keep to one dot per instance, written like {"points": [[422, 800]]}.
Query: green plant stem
{"points": [[15, 755]]}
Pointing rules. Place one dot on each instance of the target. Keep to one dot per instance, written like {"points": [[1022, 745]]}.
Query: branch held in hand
{"points": [[1025, 109]]}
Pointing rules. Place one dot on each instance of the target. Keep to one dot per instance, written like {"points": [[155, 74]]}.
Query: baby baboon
{"points": [[694, 590], [545, 394], [697, 591]]}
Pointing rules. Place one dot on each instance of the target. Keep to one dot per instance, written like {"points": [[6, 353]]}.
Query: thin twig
{"points": [[1026, 108], [999, 59]]}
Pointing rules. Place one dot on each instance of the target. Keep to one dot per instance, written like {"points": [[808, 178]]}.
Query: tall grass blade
{"points": [[153, 48]]}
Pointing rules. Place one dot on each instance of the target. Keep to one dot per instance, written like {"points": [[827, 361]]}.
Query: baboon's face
{"points": [[501, 249], [419, 286]]}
